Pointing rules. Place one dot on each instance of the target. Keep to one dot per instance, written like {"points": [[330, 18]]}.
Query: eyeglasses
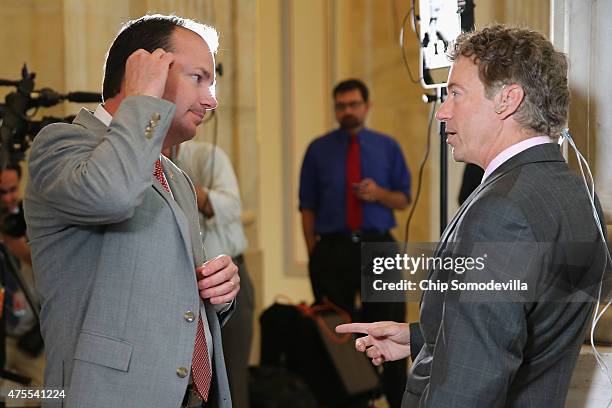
{"points": [[340, 106]]}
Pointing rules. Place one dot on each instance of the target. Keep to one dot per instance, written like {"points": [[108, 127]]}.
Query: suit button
{"points": [[156, 117], [189, 316], [182, 372]]}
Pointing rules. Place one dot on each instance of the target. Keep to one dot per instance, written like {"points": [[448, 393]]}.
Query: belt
{"points": [[358, 236]]}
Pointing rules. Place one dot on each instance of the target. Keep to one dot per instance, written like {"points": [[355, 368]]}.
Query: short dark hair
{"points": [[148, 32], [506, 55], [352, 84], [15, 167]]}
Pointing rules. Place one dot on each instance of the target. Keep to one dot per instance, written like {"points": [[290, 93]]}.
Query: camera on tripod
{"points": [[18, 129]]}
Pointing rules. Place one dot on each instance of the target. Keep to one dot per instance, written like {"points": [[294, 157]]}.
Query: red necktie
{"points": [[200, 365], [159, 175], [354, 208], [201, 372]]}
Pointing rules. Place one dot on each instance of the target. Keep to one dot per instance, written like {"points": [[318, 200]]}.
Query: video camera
{"points": [[17, 130]]}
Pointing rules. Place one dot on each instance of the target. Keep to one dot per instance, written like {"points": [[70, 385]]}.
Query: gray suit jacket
{"points": [[533, 220], [114, 258]]}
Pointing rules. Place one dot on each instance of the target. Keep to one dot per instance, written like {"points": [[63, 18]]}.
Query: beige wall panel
{"points": [[272, 138], [246, 147], [88, 31], [581, 29], [529, 13], [31, 32], [46, 48], [308, 72], [341, 32]]}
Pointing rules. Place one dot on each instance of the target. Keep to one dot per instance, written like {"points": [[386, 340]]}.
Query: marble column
{"points": [[581, 29]]}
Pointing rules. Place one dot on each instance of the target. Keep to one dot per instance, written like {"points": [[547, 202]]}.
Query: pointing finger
{"points": [[353, 328], [382, 331]]}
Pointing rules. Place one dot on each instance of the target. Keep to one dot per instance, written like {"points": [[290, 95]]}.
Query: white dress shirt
{"points": [[222, 233]]}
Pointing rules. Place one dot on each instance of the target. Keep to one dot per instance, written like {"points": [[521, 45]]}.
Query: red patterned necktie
{"points": [[200, 365], [159, 175], [354, 207]]}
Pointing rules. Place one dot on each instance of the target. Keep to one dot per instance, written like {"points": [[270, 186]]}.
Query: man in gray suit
{"points": [[508, 99], [131, 313]]}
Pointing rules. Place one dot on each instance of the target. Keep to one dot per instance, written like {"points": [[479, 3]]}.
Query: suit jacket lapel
{"points": [[540, 153], [184, 198], [466, 204], [181, 220]]}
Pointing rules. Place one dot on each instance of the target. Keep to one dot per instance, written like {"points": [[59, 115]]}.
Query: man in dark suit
{"points": [[532, 221]]}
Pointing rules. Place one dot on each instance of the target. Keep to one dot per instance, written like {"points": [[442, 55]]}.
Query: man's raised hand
{"points": [[146, 73]]}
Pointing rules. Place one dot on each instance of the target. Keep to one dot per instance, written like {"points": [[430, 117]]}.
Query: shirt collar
{"points": [[103, 115], [345, 134], [512, 151]]}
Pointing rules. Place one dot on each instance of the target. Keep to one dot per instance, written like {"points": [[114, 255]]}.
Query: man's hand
{"points": [[367, 190], [308, 222], [146, 73], [204, 204], [385, 341], [18, 247], [218, 280]]}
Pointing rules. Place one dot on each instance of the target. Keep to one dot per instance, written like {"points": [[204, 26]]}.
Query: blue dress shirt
{"points": [[323, 179]]}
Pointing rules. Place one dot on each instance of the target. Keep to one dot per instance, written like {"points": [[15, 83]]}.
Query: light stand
{"points": [[441, 95], [429, 98], [440, 24]]}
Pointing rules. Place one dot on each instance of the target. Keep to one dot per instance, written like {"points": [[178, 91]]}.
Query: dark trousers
{"points": [[334, 268]]}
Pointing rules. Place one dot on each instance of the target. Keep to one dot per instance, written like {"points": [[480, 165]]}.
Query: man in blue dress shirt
{"points": [[351, 181]]}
